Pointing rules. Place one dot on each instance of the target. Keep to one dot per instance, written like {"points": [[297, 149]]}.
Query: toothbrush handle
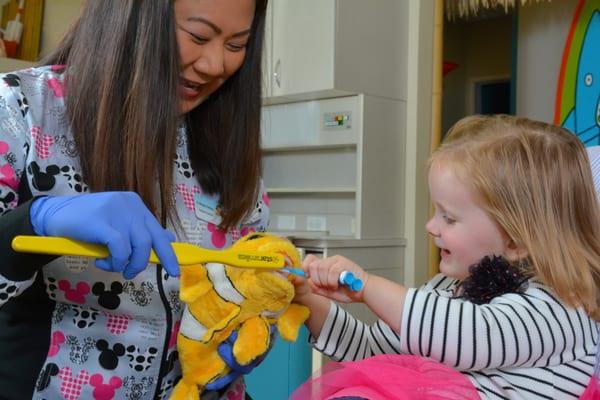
{"points": [[353, 283], [346, 278], [187, 254]]}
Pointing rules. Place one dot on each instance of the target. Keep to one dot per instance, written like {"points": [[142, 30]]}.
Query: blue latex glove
{"points": [[119, 220], [225, 350]]}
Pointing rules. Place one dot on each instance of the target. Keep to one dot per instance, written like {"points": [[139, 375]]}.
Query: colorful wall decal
{"points": [[577, 105]]}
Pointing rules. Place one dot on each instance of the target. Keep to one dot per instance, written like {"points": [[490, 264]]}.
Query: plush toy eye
{"points": [[254, 236]]}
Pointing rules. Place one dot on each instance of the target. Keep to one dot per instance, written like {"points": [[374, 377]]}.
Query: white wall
{"points": [[58, 15], [418, 128], [482, 50], [455, 83], [543, 30]]}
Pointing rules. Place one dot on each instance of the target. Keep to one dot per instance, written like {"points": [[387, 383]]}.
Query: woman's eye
{"points": [[198, 39], [235, 47]]}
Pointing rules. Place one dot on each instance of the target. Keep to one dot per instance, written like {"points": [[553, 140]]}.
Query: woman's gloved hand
{"points": [[119, 220], [225, 350]]}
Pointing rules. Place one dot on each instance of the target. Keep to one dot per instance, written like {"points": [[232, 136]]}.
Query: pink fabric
{"points": [[593, 391], [387, 377]]}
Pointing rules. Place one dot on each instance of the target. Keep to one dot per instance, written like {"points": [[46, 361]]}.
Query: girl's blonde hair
{"points": [[534, 179]]}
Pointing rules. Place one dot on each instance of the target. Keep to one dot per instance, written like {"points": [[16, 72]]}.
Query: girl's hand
{"points": [[302, 288], [324, 274]]}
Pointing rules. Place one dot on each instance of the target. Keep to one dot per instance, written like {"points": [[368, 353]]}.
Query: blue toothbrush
{"points": [[347, 278]]}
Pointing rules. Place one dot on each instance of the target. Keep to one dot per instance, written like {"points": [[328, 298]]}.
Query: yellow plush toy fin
{"points": [[202, 364], [252, 341], [291, 320], [185, 392]]}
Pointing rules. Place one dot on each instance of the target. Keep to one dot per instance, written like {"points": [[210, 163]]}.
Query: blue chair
{"points": [[594, 155]]}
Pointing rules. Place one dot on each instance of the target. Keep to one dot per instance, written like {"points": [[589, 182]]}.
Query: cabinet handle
{"points": [[276, 74]]}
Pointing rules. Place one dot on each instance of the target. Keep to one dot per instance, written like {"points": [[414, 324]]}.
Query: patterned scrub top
{"points": [[70, 330]]}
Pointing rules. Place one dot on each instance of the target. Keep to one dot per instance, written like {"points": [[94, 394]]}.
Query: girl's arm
{"points": [[337, 334], [319, 309], [385, 298]]}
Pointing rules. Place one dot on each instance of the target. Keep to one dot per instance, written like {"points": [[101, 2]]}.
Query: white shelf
{"points": [[312, 241], [341, 189], [309, 147]]}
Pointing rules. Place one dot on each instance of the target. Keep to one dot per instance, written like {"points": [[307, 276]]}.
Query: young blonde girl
{"points": [[515, 307]]}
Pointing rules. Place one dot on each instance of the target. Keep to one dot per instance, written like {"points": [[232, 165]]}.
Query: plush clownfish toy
{"points": [[219, 299]]}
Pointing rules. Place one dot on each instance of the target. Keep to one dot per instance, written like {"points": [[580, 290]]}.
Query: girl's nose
{"points": [[431, 228]]}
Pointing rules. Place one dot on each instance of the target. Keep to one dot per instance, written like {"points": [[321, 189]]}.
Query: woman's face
{"points": [[212, 36]]}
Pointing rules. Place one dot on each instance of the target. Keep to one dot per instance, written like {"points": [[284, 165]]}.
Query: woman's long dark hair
{"points": [[122, 79]]}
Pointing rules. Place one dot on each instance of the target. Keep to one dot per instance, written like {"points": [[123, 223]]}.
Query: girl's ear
{"points": [[515, 252]]}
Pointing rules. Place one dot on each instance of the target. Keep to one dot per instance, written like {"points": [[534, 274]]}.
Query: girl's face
{"points": [[462, 230], [212, 36]]}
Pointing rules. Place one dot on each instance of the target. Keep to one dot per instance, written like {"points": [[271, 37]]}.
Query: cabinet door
{"points": [[268, 52], [302, 56]]}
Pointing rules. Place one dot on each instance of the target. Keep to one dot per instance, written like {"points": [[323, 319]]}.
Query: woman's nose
{"points": [[211, 62]]}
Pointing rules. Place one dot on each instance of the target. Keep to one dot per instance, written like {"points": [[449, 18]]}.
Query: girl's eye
{"points": [[448, 219]]}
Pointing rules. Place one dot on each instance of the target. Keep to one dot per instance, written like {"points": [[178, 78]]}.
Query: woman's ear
{"points": [[515, 252]]}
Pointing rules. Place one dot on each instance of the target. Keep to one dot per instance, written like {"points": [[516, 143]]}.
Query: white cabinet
{"points": [[303, 40], [333, 167], [333, 171], [329, 48], [335, 131]]}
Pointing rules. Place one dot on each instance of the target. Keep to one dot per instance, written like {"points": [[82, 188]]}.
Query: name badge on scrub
{"points": [[207, 208]]}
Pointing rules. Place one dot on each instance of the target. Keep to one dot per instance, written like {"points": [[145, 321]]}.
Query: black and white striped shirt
{"points": [[518, 346]]}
